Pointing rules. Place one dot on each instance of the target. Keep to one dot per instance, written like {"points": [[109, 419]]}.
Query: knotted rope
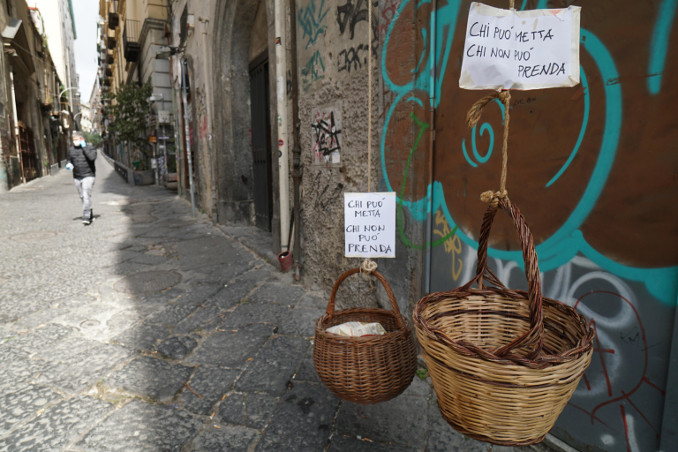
{"points": [[368, 266]]}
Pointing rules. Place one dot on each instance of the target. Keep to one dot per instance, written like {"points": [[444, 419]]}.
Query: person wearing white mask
{"points": [[80, 160]]}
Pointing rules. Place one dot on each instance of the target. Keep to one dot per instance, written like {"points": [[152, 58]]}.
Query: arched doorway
{"points": [[242, 115]]}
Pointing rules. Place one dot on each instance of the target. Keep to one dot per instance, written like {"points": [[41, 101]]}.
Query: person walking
{"points": [[81, 159]]}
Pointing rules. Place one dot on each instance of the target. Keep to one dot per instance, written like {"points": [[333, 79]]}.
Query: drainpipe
{"points": [[187, 132], [432, 119], [296, 151], [16, 127], [281, 103], [208, 107]]}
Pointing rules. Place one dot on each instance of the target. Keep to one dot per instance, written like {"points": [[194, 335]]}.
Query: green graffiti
{"points": [[399, 217]]}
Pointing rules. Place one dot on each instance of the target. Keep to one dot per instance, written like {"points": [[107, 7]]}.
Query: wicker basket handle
{"points": [[533, 337], [380, 277]]}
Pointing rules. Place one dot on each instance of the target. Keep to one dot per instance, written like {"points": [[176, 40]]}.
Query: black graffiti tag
{"points": [[350, 59], [326, 135], [350, 14]]}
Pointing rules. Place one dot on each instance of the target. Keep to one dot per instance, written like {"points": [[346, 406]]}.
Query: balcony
{"points": [[130, 40]]}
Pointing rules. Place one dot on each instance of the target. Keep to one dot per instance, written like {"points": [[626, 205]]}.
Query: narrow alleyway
{"points": [[153, 330]]}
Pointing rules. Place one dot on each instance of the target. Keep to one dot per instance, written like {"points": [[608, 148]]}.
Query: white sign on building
{"points": [[369, 224], [509, 49]]}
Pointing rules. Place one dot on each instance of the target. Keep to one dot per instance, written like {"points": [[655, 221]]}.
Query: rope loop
{"points": [[476, 110]]}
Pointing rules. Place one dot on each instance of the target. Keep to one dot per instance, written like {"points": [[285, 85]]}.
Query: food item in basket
{"points": [[357, 329]]}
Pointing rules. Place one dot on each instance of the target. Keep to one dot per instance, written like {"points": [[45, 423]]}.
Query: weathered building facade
{"points": [[268, 111], [131, 33], [36, 116], [58, 27]]}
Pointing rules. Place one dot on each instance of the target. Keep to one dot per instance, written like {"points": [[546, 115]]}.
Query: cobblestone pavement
{"points": [[154, 330]]}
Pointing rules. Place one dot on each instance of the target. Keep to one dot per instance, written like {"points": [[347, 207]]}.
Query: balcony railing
{"points": [[130, 40]]}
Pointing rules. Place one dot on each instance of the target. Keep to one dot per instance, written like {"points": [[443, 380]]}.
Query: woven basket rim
{"points": [[472, 350]]}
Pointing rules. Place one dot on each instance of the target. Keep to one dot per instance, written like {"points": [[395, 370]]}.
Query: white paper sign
{"points": [[369, 224], [509, 49]]}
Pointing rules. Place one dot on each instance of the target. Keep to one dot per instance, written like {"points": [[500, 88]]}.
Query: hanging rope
{"points": [[368, 265], [472, 118], [369, 96]]}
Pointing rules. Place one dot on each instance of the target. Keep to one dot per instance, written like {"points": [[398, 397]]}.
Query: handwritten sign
{"points": [[509, 49], [369, 224]]}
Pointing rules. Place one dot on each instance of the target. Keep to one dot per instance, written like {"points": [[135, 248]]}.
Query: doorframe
{"points": [[260, 60]]}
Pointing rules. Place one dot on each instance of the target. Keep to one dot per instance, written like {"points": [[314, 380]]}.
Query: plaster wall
{"points": [[197, 56], [333, 51]]}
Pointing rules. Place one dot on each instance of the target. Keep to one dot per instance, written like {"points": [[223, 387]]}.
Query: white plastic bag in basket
{"points": [[357, 329]]}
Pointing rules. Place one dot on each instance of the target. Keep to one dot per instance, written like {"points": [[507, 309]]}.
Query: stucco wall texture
{"points": [[333, 50]]}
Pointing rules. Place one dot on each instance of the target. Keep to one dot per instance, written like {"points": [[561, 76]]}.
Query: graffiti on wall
{"points": [[326, 136], [353, 58], [313, 70], [451, 245], [349, 16], [579, 179], [310, 19]]}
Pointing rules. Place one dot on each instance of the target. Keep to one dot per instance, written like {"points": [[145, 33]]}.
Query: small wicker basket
{"points": [[503, 362], [367, 369]]}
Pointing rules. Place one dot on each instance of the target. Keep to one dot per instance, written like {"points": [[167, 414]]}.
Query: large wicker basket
{"points": [[503, 362], [367, 369]]}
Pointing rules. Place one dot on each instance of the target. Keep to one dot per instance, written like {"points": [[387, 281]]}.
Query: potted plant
{"points": [[130, 111]]}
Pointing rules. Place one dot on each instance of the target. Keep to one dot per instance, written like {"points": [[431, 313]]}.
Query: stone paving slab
{"points": [[224, 438], [18, 369], [177, 347], [204, 318], [140, 426], [84, 369], [360, 444], [303, 418], [150, 378], [231, 349], [250, 313], [57, 427], [249, 409], [19, 406], [301, 321], [208, 386], [279, 293], [273, 368], [143, 336], [402, 421]]}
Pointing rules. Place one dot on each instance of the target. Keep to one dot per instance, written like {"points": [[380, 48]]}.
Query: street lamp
{"points": [[67, 89]]}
